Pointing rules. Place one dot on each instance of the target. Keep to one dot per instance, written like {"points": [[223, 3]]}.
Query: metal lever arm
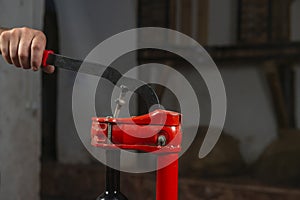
{"points": [[111, 74]]}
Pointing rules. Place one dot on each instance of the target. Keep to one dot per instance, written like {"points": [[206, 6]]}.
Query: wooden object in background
{"points": [[262, 21], [153, 13], [187, 16], [190, 17], [254, 21], [272, 76], [280, 20], [237, 54]]}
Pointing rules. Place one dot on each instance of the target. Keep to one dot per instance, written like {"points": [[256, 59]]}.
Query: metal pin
{"points": [[120, 101]]}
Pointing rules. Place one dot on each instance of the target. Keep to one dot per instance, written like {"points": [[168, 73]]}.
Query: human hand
{"points": [[24, 47]]}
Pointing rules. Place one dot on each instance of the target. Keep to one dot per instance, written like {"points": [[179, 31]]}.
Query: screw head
{"points": [[161, 140]]}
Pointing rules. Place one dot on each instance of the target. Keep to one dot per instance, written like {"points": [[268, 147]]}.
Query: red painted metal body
{"points": [[167, 177], [142, 133]]}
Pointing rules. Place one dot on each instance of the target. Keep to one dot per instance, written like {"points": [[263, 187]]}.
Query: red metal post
{"points": [[167, 177]]}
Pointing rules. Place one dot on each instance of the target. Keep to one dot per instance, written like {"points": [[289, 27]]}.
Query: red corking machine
{"points": [[158, 132]]}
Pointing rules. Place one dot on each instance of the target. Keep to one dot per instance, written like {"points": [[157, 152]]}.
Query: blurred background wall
{"points": [[20, 112]]}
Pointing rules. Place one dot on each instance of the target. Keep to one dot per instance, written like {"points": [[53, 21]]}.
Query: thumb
{"points": [[49, 69]]}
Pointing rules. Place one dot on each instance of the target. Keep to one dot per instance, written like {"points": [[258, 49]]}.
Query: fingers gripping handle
{"points": [[45, 57]]}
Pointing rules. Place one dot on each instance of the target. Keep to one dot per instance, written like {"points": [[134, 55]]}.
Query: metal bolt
{"points": [[161, 140], [109, 130]]}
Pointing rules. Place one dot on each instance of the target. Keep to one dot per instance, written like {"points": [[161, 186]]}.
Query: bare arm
{"points": [[23, 47]]}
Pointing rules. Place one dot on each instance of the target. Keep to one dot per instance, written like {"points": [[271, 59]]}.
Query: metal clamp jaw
{"points": [[158, 132]]}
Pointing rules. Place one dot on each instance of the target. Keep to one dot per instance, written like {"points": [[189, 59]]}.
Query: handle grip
{"points": [[45, 57]]}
